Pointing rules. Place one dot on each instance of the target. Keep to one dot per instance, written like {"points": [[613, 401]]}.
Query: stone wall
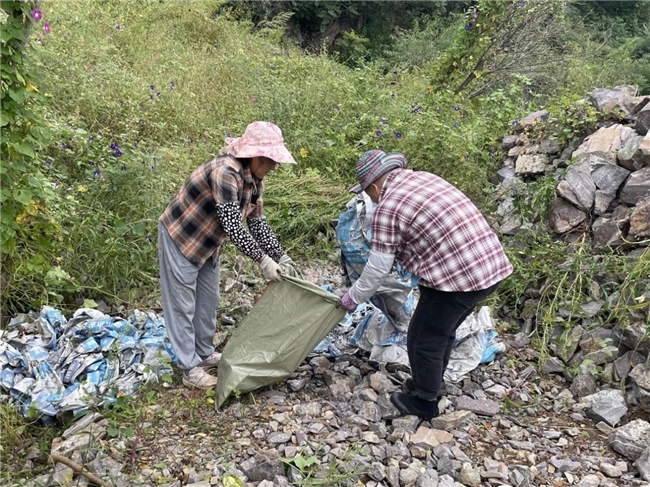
{"points": [[603, 180]]}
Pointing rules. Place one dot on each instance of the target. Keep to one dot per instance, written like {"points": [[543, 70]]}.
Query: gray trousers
{"points": [[190, 297]]}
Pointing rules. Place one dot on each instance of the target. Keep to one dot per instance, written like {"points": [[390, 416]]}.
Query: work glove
{"points": [[288, 267], [270, 269], [346, 303]]}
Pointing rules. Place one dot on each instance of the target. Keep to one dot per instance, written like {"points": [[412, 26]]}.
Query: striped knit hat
{"points": [[374, 164]]}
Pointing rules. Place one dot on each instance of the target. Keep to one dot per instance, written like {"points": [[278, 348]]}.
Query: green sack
{"points": [[284, 326]]}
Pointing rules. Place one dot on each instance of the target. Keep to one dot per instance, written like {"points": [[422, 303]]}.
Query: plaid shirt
{"points": [[191, 216], [437, 233]]}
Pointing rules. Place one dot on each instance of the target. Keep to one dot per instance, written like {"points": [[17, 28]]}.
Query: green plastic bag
{"points": [[284, 326]]}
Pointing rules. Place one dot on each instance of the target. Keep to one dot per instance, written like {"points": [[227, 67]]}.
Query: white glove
{"points": [[288, 267], [270, 269]]}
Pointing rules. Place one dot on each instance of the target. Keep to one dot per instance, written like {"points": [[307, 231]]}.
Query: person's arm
{"points": [[225, 192], [378, 266]]}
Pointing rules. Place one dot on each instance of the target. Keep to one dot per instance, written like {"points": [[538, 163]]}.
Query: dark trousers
{"points": [[432, 331]]}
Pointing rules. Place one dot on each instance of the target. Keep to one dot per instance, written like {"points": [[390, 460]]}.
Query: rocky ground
{"points": [[509, 423]]}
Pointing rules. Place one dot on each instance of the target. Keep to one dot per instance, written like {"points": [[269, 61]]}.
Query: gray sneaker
{"points": [[198, 378], [211, 361]]}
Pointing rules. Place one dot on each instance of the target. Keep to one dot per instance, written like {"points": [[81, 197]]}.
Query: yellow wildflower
{"points": [[82, 189], [303, 152]]}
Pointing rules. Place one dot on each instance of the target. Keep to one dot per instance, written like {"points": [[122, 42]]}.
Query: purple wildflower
{"points": [[151, 97], [117, 153], [228, 135], [47, 28], [337, 108], [96, 172], [117, 27], [456, 124], [149, 239], [37, 14], [456, 108], [491, 67], [468, 26], [356, 115], [324, 144], [56, 183], [383, 121], [91, 138], [190, 140], [515, 122], [114, 146], [417, 108], [378, 133], [253, 99], [398, 135], [63, 145], [122, 167], [152, 87], [171, 85], [91, 163], [392, 95], [48, 162], [141, 121], [158, 94], [466, 158], [491, 153]]}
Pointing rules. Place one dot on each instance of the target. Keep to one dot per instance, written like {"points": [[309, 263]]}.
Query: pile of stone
{"points": [[332, 423], [603, 180]]}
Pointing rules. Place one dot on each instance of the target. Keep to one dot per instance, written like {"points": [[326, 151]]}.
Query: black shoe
{"points": [[413, 405], [409, 388]]}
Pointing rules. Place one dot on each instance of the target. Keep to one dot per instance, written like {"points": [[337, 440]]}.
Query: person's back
{"points": [[437, 233]]}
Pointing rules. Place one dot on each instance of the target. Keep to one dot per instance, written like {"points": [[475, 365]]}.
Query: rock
{"points": [[611, 471], [381, 383], [631, 439], [468, 475], [320, 364], [606, 176], [549, 146], [564, 216], [80, 441], [296, 385], [82, 424], [582, 184], [642, 464], [534, 118], [611, 231], [451, 421], [607, 405], [564, 341], [504, 173], [509, 141], [629, 155], [428, 439], [637, 187], [624, 364], [583, 385], [608, 101], [642, 123], [589, 481], [644, 147], [640, 220], [484, 407], [603, 356], [565, 464], [528, 164], [408, 477], [640, 374], [606, 141], [602, 201]]}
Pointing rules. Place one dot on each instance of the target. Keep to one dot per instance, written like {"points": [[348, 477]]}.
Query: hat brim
{"points": [[277, 153], [355, 189]]}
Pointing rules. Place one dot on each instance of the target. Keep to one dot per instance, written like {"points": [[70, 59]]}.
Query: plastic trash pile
{"points": [[49, 365]]}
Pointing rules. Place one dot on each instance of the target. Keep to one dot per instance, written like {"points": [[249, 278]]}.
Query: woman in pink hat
{"points": [[211, 205]]}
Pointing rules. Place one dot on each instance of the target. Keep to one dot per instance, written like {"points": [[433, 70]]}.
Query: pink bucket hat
{"points": [[260, 139]]}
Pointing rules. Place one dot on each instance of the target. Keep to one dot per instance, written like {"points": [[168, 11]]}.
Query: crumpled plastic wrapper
{"points": [[50, 365]]}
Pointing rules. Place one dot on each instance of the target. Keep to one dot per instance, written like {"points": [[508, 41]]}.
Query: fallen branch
{"points": [[56, 458]]}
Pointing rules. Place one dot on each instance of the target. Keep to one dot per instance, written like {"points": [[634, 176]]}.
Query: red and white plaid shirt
{"points": [[437, 233]]}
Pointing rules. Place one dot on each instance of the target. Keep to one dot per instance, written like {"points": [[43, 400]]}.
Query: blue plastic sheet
{"points": [[50, 365]]}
